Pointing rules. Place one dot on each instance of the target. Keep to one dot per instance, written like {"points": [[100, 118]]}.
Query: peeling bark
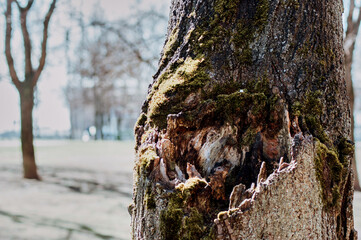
{"points": [[246, 126]]}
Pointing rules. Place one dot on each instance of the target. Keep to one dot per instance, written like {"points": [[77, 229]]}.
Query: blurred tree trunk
{"points": [[349, 46], [246, 130], [99, 125], [27, 147], [26, 87]]}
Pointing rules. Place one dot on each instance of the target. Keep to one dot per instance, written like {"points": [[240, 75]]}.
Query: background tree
{"points": [[26, 87], [109, 71], [353, 25], [246, 130]]}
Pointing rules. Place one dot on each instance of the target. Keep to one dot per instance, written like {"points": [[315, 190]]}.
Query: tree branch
{"points": [[28, 6], [352, 29], [357, 23], [44, 43], [8, 54], [27, 42], [132, 46], [350, 23]]}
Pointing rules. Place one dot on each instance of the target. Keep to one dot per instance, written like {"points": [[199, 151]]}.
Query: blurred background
{"points": [[100, 59], [101, 56]]}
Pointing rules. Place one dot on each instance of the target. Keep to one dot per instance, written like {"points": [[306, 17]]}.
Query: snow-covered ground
{"points": [[84, 195], [85, 191]]}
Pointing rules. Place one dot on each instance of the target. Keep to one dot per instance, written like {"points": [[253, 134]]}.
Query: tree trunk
{"points": [[99, 125], [246, 130], [26, 109], [350, 93], [349, 46]]}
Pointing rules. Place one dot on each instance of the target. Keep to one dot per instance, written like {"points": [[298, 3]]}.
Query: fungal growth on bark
{"points": [[245, 133]]}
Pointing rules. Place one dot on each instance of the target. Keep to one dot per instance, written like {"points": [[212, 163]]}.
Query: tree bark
{"points": [[27, 146], [349, 46], [246, 130]]}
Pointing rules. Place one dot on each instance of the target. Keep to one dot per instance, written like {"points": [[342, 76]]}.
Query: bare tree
{"points": [[353, 25], [112, 56], [26, 86], [246, 130]]}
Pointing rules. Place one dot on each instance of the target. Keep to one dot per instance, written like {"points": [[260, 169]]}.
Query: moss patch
{"points": [[170, 46], [226, 26], [179, 220], [311, 111], [329, 172], [149, 198], [172, 87], [188, 76], [141, 120], [146, 158]]}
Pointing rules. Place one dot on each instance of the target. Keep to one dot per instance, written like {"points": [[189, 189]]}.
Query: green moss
{"points": [[290, 4], [312, 104], [170, 46], [142, 119], [171, 222], [191, 184], [183, 78], [296, 108], [211, 235], [261, 14], [312, 110], [173, 87], [249, 136], [260, 85], [149, 198], [226, 27], [329, 174], [146, 158], [193, 225], [241, 40], [225, 10], [256, 99], [179, 221], [229, 105], [260, 102], [345, 148], [150, 201], [315, 127]]}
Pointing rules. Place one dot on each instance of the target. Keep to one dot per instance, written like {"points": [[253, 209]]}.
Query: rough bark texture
{"points": [[349, 46], [245, 131]]}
